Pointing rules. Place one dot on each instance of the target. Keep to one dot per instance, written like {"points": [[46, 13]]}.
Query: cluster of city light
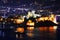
{"points": [[30, 27], [18, 21], [51, 18], [32, 14], [31, 24]]}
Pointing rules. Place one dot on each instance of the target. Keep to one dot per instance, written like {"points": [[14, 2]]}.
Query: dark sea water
{"points": [[41, 33]]}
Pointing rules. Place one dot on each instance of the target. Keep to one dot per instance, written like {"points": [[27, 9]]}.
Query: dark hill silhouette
{"points": [[46, 23]]}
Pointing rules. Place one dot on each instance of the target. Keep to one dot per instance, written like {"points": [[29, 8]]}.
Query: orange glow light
{"points": [[1, 19], [52, 15], [41, 28], [18, 21], [30, 24], [40, 19], [30, 34], [30, 28], [21, 30], [55, 27], [51, 19], [46, 18], [51, 29], [29, 21]]}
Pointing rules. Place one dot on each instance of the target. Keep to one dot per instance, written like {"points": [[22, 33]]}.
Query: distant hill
{"points": [[46, 23]]}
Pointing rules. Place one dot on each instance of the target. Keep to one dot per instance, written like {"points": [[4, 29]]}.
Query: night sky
{"points": [[49, 4], [6, 2]]}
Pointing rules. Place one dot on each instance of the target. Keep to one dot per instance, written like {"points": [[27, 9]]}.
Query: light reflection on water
{"points": [[44, 33]]}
